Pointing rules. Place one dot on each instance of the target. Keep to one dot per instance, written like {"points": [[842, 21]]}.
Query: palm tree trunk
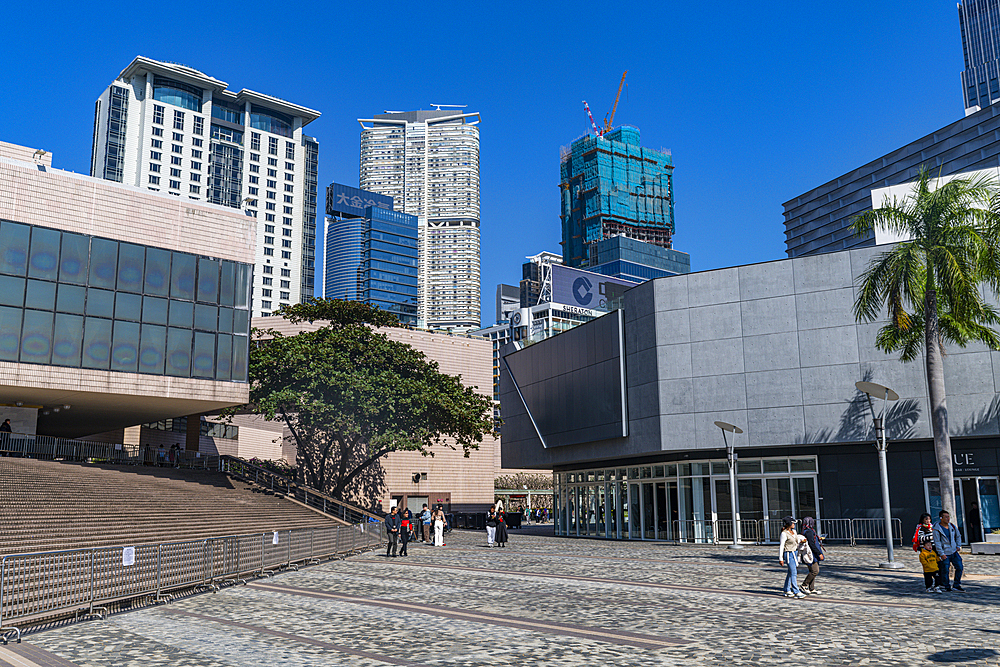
{"points": [[939, 407]]}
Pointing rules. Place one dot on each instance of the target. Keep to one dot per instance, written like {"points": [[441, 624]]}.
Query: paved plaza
{"points": [[549, 601]]}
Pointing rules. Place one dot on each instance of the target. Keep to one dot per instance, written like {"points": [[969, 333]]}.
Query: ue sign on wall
{"points": [[574, 287], [353, 201]]}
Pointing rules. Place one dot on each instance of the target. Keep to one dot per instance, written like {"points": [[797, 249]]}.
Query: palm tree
{"points": [[931, 284]]}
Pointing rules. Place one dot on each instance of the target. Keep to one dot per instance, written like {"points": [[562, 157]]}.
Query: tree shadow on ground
{"points": [[963, 655]]}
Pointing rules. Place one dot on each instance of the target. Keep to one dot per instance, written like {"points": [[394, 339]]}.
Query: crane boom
{"points": [[591, 116], [609, 120]]}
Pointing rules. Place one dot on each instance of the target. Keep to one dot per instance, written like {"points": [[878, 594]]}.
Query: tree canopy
{"points": [[930, 284], [349, 396]]}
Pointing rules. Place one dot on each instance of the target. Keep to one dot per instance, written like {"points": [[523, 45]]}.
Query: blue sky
{"points": [[759, 102]]}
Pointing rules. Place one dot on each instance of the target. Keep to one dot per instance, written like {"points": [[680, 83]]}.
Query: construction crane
{"points": [[597, 132], [610, 119]]}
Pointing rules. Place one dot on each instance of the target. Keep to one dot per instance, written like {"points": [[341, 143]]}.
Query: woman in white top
{"points": [[788, 545], [440, 522]]}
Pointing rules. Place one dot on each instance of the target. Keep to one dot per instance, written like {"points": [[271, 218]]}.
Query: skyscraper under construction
{"points": [[612, 186]]}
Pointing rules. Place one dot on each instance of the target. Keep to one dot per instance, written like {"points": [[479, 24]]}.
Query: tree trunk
{"points": [[939, 407]]}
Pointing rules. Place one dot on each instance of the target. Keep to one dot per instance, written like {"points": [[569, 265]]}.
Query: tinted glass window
{"points": [[240, 359], [225, 320], [181, 314], [125, 347], [154, 310], [224, 358], [10, 332], [208, 280], [203, 361], [241, 322], [70, 299], [157, 280], [242, 285], [227, 284], [128, 306], [96, 343], [66, 340], [36, 337], [182, 276], [178, 352], [152, 349], [75, 258], [103, 263], [43, 261], [100, 303], [206, 317], [14, 248], [11, 291], [40, 295], [130, 266]]}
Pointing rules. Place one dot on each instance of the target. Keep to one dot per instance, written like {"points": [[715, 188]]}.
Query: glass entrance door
{"points": [[932, 491], [648, 512], [634, 512], [978, 501], [989, 504]]}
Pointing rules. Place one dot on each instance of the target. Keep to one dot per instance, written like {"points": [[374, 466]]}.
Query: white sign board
{"points": [[128, 556], [274, 540]]}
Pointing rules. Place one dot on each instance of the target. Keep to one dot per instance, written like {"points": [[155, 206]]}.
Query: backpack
{"points": [[805, 553], [916, 540]]}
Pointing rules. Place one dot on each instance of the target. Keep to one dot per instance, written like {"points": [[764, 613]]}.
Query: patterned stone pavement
{"points": [[548, 601]]}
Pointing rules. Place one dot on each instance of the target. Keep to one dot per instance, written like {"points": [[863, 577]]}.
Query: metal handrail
{"points": [[269, 479], [49, 448], [58, 583]]}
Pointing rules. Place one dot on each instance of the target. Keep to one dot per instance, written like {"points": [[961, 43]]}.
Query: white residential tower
{"points": [[428, 162], [168, 127]]}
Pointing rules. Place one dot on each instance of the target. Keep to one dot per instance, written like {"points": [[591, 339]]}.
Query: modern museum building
{"points": [[623, 410]]}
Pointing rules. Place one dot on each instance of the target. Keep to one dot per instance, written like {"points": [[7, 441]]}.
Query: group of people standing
{"points": [[402, 528], [938, 546], [496, 526], [804, 547]]}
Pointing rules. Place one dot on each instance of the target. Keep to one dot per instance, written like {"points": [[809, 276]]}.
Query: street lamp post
{"points": [[731, 460], [878, 421]]}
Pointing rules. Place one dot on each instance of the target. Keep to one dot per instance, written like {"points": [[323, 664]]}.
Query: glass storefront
{"points": [[977, 498], [683, 501]]}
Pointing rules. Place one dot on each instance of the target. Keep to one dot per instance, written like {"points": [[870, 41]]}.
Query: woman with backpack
{"points": [[788, 547], [814, 545]]}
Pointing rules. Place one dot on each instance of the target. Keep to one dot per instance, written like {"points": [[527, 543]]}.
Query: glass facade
{"points": [[344, 238], [686, 501], [309, 217], [225, 161], [179, 94], [114, 147], [79, 301], [267, 120], [388, 272]]}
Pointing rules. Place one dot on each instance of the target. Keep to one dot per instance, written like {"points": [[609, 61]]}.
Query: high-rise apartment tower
{"points": [[979, 21], [428, 162], [612, 186], [171, 128]]}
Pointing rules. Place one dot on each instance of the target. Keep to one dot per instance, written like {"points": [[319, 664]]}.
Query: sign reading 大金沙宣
{"points": [[345, 200]]}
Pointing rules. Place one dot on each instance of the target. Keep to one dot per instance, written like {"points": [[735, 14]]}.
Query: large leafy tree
{"points": [[932, 284], [349, 396]]}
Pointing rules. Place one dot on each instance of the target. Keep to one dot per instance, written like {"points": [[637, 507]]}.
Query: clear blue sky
{"points": [[759, 102]]}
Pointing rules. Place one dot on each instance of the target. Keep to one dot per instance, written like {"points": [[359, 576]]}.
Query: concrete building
{"points": [[623, 408], [819, 221], [118, 305], [447, 478], [611, 186], [508, 300], [170, 128], [428, 162], [979, 21]]}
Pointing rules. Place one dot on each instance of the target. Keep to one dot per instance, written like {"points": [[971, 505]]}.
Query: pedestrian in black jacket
{"points": [[809, 532], [392, 529]]}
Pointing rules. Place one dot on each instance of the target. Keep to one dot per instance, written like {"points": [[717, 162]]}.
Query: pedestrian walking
{"points": [[405, 530], [440, 521], [392, 530], [5, 426], [491, 526], [815, 544], [788, 546], [501, 534], [924, 527], [947, 542], [425, 519], [974, 521], [931, 563]]}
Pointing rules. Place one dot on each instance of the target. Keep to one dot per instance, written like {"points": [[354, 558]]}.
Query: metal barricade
{"points": [[836, 531], [47, 584], [694, 531], [872, 531]]}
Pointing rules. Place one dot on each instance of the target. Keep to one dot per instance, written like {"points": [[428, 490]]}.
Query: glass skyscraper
{"points": [[979, 21], [388, 271]]}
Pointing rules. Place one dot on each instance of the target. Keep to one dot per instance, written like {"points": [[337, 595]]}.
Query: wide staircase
{"points": [[57, 505]]}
